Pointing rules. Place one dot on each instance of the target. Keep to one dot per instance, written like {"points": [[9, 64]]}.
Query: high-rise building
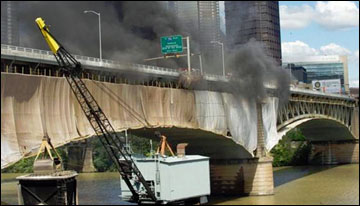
{"points": [[9, 23], [324, 68], [254, 19], [297, 72], [201, 21]]}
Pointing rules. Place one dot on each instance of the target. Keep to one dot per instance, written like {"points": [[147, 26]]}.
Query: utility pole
{"points": [[188, 53], [222, 52], [201, 68], [98, 14]]}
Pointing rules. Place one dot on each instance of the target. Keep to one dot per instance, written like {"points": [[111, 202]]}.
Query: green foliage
{"points": [[25, 165], [142, 145], [295, 135], [63, 154], [285, 153], [103, 162], [301, 154], [281, 153]]}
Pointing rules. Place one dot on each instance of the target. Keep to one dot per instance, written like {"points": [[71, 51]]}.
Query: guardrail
{"points": [[89, 61], [92, 61], [317, 93], [111, 64]]}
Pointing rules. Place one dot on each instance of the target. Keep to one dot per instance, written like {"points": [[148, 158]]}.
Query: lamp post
{"points": [[200, 61], [98, 14], [222, 51]]}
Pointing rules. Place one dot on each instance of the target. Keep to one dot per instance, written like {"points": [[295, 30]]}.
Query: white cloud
{"points": [[298, 50], [354, 83], [354, 57], [337, 14], [296, 17], [330, 15], [334, 49], [295, 51]]}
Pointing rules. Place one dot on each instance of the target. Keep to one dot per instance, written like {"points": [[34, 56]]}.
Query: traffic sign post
{"points": [[171, 44]]}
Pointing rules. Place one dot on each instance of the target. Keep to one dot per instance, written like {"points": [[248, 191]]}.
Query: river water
{"points": [[309, 185]]}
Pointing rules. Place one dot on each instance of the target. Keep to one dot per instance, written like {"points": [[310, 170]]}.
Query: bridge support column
{"points": [[80, 157], [248, 176], [339, 152], [88, 165], [75, 156], [242, 177]]}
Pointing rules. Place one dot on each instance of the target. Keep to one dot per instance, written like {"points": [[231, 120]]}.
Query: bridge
{"points": [[37, 100]]}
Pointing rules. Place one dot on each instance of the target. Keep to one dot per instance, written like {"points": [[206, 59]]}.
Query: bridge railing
{"points": [[111, 64], [90, 61], [95, 62], [317, 93]]}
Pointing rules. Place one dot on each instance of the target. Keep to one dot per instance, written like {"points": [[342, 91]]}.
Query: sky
{"points": [[319, 28]]}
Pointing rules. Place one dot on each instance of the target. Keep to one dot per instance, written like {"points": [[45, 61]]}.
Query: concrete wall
{"points": [[242, 177], [75, 157], [335, 152], [88, 165], [355, 123]]}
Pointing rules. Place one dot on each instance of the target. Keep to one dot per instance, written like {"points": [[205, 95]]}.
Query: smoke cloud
{"points": [[131, 32], [252, 72]]}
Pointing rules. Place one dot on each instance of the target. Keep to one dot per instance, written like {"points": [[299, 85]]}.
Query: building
{"points": [[354, 92], [201, 21], [325, 68], [9, 23], [209, 29], [297, 72], [254, 19]]}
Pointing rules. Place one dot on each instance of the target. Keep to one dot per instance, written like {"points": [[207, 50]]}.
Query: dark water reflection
{"points": [[293, 185], [284, 175]]}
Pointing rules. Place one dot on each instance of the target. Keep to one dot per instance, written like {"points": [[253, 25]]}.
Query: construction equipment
{"points": [[58, 188], [181, 179], [163, 145], [46, 165], [112, 141], [49, 184]]}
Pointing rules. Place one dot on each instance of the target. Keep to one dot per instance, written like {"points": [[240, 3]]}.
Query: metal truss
{"points": [[301, 106]]}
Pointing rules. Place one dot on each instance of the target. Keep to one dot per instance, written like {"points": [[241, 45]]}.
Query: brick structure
{"points": [[245, 176], [340, 152], [242, 177]]}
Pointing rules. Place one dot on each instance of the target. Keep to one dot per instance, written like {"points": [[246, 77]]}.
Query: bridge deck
{"points": [[92, 63]]}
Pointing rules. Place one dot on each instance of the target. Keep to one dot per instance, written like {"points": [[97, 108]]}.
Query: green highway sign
{"points": [[171, 44]]}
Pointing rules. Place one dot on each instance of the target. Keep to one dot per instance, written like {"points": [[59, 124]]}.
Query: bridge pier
{"points": [[242, 177], [252, 176], [88, 165], [338, 152], [80, 157]]}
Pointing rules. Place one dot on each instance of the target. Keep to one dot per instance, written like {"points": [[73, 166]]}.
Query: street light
{"points": [[90, 11], [222, 49], [201, 68]]}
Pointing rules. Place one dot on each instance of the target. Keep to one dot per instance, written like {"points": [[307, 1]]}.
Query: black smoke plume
{"points": [[253, 74], [131, 32]]}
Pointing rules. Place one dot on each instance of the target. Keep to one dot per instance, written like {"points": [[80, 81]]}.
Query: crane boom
{"points": [[111, 140]]}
